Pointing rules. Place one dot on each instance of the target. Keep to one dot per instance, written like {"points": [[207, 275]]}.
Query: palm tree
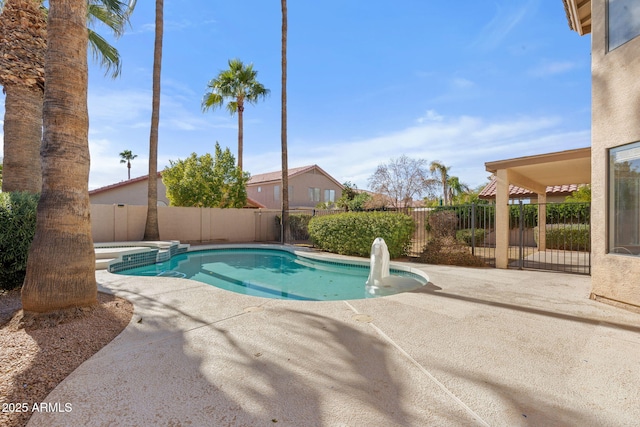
{"points": [[127, 156], [61, 263], [437, 167], [239, 85], [283, 129], [22, 47], [456, 188], [151, 230], [23, 31]]}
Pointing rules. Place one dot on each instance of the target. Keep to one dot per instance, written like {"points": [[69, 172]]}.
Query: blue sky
{"points": [[462, 83]]}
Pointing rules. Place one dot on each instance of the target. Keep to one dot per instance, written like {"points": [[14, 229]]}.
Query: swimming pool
{"points": [[273, 273]]}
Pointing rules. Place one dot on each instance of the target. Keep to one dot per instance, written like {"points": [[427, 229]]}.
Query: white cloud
{"points": [[461, 83], [431, 116], [552, 68], [465, 143], [508, 15]]}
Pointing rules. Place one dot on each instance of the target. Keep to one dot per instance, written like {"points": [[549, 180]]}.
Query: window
{"points": [[276, 192], [623, 22], [624, 199], [259, 189], [329, 195], [314, 194]]}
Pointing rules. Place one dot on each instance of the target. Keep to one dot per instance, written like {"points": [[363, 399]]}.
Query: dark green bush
{"points": [[465, 236], [568, 237], [298, 226], [17, 226], [353, 233]]}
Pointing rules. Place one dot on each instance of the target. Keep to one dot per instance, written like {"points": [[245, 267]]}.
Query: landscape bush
{"points": [[567, 237], [466, 236], [448, 251], [443, 224], [17, 226], [353, 233]]}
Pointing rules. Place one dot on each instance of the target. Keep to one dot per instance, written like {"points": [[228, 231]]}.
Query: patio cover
{"points": [[535, 173]]}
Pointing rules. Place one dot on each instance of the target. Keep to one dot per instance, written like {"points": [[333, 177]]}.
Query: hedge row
{"points": [[353, 233], [466, 235], [17, 226], [568, 237]]}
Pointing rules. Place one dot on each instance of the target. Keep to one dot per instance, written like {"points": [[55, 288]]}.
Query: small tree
{"points": [[581, 195], [402, 180], [126, 157], [206, 181]]}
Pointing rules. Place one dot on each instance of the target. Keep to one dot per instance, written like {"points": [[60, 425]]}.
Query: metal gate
{"points": [[563, 243]]}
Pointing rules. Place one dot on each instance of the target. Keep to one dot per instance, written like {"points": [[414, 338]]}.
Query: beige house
{"points": [[129, 192], [612, 162], [134, 192], [308, 186]]}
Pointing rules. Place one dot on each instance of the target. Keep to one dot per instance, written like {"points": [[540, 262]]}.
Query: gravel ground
{"points": [[36, 354]]}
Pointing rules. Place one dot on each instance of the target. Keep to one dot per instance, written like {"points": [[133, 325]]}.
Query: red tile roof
{"points": [[515, 192]]}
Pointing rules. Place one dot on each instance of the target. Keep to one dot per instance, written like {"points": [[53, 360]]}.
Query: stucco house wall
{"points": [[262, 188], [615, 112], [132, 192]]}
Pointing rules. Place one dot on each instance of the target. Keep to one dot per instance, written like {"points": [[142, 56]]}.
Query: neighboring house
{"points": [[134, 192], [308, 186], [555, 193]]}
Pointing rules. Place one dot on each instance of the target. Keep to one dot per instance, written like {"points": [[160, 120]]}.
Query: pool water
{"points": [[269, 273]]}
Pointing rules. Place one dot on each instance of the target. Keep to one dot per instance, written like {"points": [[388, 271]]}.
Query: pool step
{"points": [[124, 252]]}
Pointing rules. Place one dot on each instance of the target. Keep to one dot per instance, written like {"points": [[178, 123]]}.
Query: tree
{"points": [[238, 85], [581, 195], [22, 47], [438, 168], [61, 263], [206, 181], [352, 199], [0, 177], [456, 189], [401, 180], [151, 229], [127, 156], [283, 128]]}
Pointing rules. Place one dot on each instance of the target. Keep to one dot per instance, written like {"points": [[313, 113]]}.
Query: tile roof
{"points": [[515, 192]]}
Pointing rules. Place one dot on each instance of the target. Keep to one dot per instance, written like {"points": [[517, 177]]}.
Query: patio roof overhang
{"points": [[538, 172], [578, 15]]}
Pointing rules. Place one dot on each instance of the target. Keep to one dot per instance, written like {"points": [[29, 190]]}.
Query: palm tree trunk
{"points": [[128, 169], [240, 133], [61, 263], [22, 139], [151, 230], [283, 129]]}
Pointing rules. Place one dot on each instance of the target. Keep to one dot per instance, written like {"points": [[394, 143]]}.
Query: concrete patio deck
{"points": [[474, 347]]}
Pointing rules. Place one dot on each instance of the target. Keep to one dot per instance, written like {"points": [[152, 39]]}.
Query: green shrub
{"points": [[465, 236], [568, 237], [353, 233], [298, 226], [17, 226]]}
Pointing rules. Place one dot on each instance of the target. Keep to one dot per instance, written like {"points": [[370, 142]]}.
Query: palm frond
{"points": [[105, 54]]}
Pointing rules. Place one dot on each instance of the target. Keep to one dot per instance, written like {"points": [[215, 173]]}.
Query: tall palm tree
{"points": [[283, 129], [438, 168], [23, 32], [22, 46], [238, 84], [151, 230], [127, 156], [61, 263]]}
